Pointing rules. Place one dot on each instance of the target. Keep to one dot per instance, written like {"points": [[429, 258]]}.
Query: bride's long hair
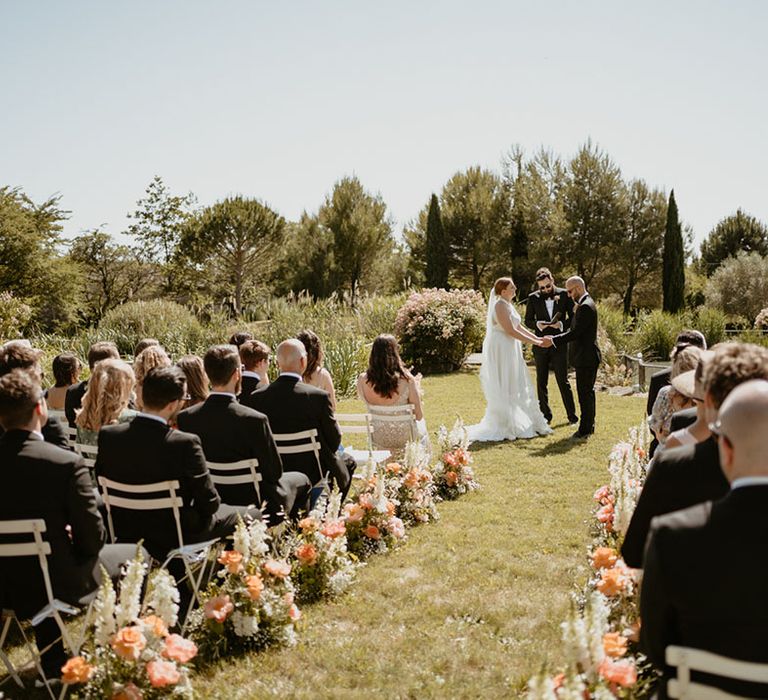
{"points": [[385, 368]]}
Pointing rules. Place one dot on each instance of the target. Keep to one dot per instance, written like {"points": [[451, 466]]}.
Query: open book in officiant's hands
{"points": [[554, 323]]}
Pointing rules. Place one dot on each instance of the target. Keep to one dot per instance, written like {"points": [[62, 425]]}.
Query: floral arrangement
{"points": [[251, 604], [130, 652], [761, 321], [453, 474], [322, 566], [602, 658], [411, 486], [437, 329]]}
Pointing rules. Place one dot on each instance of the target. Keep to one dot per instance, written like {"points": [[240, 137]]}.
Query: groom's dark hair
{"points": [[543, 273]]}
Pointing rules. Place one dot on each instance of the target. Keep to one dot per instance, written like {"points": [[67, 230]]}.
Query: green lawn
{"points": [[470, 606]]}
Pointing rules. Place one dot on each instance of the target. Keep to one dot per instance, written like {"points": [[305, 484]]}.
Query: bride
{"points": [[512, 410]]}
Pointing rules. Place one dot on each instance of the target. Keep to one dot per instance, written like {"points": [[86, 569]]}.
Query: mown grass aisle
{"points": [[470, 606]]}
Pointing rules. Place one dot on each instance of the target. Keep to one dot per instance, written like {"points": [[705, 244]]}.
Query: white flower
{"points": [[244, 625], [573, 687], [104, 611], [163, 597], [334, 505], [128, 608], [257, 532], [541, 688], [415, 456]]}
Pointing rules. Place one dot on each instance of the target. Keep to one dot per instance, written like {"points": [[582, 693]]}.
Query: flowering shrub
{"points": [[453, 474], [129, 652], [251, 605], [761, 322], [438, 329], [15, 315]]}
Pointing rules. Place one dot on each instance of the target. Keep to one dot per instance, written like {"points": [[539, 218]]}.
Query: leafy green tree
{"points": [[234, 245], [673, 268], [734, 234], [437, 249], [739, 287]]}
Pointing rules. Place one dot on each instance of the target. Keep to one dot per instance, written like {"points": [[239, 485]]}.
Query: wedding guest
{"points": [[691, 384], [143, 344], [239, 337], [43, 481], [197, 380], [669, 400], [66, 372], [106, 400], [21, 355], [316, 374], [147, 450], [149, 358], [293, 406], [254, 356], [102, 350], [690, 595], [680, 477], [387, 382], [231, 432]]}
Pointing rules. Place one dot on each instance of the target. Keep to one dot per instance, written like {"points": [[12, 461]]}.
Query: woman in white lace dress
{"points": [[512, 410]]}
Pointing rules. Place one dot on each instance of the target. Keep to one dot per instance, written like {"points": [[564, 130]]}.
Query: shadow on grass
{"points": [[558, 447]]}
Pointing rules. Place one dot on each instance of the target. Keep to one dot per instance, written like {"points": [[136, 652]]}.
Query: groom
{"points": [[549, 311], [585, 355]]}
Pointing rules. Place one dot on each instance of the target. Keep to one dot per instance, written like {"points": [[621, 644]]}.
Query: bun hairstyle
{"points": [[501, 284]]}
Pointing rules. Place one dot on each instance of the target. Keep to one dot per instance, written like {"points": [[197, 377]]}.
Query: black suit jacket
{"points": [[40, 480], [231, 432], [248, 386], [144, 451], [583, 335], [536, 310], [73, 400], [705, 580], [682, 419], [53, 433], [678, 478], [658, 380], [293, 406]]}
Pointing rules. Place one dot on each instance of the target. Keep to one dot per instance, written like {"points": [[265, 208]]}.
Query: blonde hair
{"points": [[149, 358], [108, 394], [684, 360], [501, 284]]}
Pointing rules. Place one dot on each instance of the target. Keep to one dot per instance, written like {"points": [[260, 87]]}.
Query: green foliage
{"points": [[307, 262], [737, 233], [15, 315], [615, 325], [437, 329], [673, 268], [739, 287], [711, 322], [655, 334], [437, 248]]}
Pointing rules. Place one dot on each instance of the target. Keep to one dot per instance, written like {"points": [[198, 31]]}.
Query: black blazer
{"points": [[583, 335], [682, 419], [230, 432], [73, 400], [658, 380], [53, 433], [292, 406], [705, 581], [144, 451], [536, 310], [248, 386], [40, 480], [678, 478]]}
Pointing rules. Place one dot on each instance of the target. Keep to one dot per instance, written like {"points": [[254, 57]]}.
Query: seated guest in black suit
{"points": [[293, 406], [74, 400], [684, 476], [147, 450], [231, 432], [254, 356], [692, 593], [19, 354], [40, 480]]}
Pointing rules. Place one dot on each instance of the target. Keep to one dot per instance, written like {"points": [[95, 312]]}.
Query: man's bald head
{"points": [[291, 356], [743, 425], [576, 287]]}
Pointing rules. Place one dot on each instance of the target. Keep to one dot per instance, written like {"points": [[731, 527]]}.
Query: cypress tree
{"points": [[436, 274], [673, 271]]}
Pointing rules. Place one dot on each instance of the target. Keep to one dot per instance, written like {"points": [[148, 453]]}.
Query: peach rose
{"points": [[558, 680], [605, 516], [353, 512], [391, 508], [76, 670], [602, 495], [179, 649], [366, 501], [396, 527], [372, 532], [623, 673], [604, 557], [128, 643], [233, 560], [162, 673], [128, 692], [278, 569], [294, 613], [452, 478], [614, 644], [155, 625], [394, 468], [613, 581], [255, 585], [462, 456], [308, 525], [411, 479], [333, 529], [450, 459], [218, 608], [306, 554]]}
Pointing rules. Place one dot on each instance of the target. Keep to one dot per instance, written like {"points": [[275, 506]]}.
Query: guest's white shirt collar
{"points": [[38, 434], [250, 373], [743, 481], [583, 297], [222, 393], [291, 374], [152, 416]]}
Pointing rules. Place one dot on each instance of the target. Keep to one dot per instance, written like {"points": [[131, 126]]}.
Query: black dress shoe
{"points": [[573, 420], [579, 436]]}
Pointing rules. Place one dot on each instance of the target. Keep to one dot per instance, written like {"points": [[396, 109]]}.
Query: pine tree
{"points": [[436, 274], [673, 271]]}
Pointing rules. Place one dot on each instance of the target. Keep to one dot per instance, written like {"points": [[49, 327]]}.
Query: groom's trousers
{"points": [[555, 359], [585, 388]]}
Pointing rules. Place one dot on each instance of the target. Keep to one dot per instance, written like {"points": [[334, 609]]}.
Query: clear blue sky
{"points": [[279, 100]]}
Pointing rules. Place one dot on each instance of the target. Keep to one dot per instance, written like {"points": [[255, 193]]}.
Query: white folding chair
{"points": [[349, 424], [686, 660], [71, 433], [404, 413], [222, 474], [89, 453], [134, 498], [41, 549], [303, 442]]}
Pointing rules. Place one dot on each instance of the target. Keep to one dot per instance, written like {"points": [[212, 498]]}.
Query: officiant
{"points": [[549, 311]]}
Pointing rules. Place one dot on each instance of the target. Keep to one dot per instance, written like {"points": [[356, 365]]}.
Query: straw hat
{"points": [[686, 383]]}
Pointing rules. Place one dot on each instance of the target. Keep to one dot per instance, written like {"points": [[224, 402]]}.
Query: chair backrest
{"points": [[395, 414], [686, 660], [88, 453], [169, 500], [70, 432], [305, 441], [223, 473], [37, 547], [356, 423]]}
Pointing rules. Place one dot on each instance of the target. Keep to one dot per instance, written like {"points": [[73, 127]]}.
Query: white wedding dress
{"points": [[512, 409]]}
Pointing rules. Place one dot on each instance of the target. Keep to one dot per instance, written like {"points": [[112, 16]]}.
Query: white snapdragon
{"points": [[334, 505], [104, 611], [163, 597], [129, 605], [541, 688], [573, 687], [416, 456], [596, 615], [257, 532], [242, 540]]}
